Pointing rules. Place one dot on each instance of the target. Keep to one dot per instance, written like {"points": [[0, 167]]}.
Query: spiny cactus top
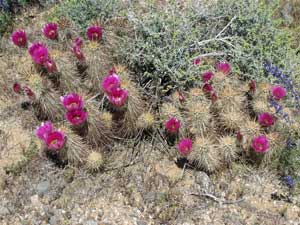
{"points": [[206, 76], [110, 82], [55, 140], [50, 31], [260, 144], [278, 92], [19, 38], [185, 146], [94, 33], [72, 102], [266, 119], [77, 116], [44, 130], [172, 125], [118, 97], [223, 67]]}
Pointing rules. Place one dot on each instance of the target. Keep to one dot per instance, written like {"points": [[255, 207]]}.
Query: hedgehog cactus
{"points": [[198, 117], [205, 154], [146, 121], [95, 161], [276, 144], [45, 104], [249, 128], [228, 148], [231, 119]]}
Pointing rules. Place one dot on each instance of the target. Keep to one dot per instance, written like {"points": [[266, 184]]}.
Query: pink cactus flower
{"points": [[50, 66], [181, 97], [44, 130], [19, 38], [214, 97], [78, 42], [110, 82], [185, 146], [260, 144], [278, 92], [207, 88], [76, 117], [197, 61], [172, 125], [252, 86], [266, 119], [17, 88], [30, 94], [78, 53], [206, 76], [55, 140], [35, 46], [94, 33], [118, 97], [50, 31], [223, 67], [72, 102], [112, 71], [239, 136], [39, 53]]}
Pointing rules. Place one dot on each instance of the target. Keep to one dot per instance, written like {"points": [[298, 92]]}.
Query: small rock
{"points": [[204, 181], [91, 222], [141, 222], [35, 201], [53, 220], [4, 211], [43, 187]]}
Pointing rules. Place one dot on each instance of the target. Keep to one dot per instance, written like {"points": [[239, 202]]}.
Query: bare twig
{"points": [[216, 199], [230, 22]]}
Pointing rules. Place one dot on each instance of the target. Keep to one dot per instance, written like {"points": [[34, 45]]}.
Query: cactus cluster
{"points": [[97, 103]]}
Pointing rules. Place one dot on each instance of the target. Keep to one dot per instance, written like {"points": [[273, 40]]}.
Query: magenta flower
{"points": [[197, 61], [118, 97], [30, 94], [19, 38], [181, 97], [78, 53], [278, 92], [206, 76], [50, 31], [72, 102], [172, 125], [78, 42], [35, 46], [260, 144], [76, 117], [39, 53], [44, 130], [185, 146], [214, 97], [207, 88], [112, 71], [50, 66], [55, 140], [223, 67], [94, 33], [110, 82], [252, 86], [17, 88], [239, 136], [266, 119]]}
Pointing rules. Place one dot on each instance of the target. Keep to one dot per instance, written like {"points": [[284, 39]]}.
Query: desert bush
{"points": [[168, 38], [6, 20], [82, 12]]}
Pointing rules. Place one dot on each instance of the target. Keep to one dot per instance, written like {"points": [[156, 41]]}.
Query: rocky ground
{"points": [[140, 187]]}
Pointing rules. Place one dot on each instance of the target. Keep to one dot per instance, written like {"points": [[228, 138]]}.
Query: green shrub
{"points": [[168, 38], [6, 21], [82, 12]]}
